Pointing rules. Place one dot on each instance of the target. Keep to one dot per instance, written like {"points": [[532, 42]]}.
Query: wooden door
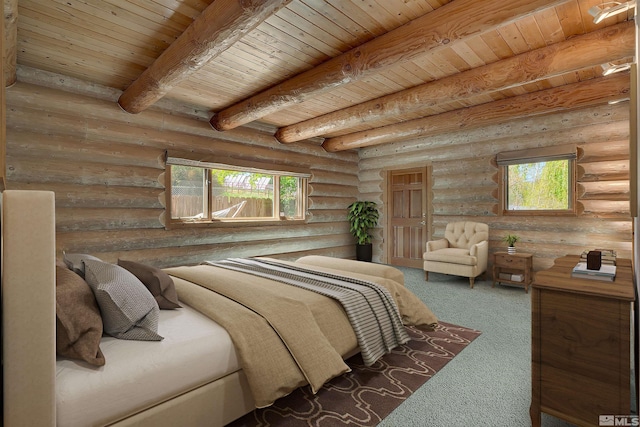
{"points": [[407, 219]]}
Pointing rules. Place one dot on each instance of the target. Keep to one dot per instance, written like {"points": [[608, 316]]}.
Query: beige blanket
{"points": [[285, 336]]}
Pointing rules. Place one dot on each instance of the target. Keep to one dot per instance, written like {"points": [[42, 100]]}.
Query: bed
{"points": [[197, 376]]}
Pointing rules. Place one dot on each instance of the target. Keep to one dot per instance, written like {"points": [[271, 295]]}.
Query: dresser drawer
{"points": [[510, 261]]}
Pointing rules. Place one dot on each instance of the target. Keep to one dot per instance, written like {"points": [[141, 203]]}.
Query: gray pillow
{"points": [[74, 262], [128, 309], [159, 283]]}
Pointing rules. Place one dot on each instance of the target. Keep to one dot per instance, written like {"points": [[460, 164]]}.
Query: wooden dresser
{"points": [[581, 344]]}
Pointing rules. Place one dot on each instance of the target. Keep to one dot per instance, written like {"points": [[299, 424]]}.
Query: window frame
{"points": [[537, 155], [173, 159]]}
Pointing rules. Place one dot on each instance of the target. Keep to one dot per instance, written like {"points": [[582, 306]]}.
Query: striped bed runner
{"points": [[373, 313]]}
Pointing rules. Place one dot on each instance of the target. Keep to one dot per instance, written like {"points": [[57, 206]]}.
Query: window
{"points": [[538, 181], [205, 192]]}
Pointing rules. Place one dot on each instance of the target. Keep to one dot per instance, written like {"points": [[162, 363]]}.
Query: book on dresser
{"points": [[606, 273]]}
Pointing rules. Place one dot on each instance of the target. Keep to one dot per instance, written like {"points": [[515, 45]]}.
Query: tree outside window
{"points": [[538, 186], [538, 181]]}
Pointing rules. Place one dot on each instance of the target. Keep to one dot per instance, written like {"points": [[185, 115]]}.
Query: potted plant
{"points": [[511, 240], [363, 216]]}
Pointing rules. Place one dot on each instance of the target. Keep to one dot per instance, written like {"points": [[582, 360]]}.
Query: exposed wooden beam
{"points": [[452, 22], [220, 25], [10, 50], [577, 95], [591, 49]]}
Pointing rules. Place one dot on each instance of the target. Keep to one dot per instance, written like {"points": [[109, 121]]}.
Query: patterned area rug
{"points": [[364, 396]]}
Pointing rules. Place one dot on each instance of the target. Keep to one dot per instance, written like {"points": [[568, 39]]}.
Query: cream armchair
{"points": [[464, 251]]}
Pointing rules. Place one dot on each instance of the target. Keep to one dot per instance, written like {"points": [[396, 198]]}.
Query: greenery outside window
{"points": [[538, 181], [206, 192]]}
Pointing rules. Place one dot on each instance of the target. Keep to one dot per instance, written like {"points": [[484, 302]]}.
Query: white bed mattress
{"points": [[139, 374]]}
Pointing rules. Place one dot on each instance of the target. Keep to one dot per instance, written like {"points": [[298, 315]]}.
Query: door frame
{"points": [[427, 203]]}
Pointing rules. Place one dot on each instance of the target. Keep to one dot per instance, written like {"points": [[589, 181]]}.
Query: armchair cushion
{"points": [[452, 255]]}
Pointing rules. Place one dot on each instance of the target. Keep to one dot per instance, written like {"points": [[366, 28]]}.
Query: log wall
{"points": [[464, 181], [106, 167]]}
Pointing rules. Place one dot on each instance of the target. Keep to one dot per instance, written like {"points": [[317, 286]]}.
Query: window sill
{"points": [[540, 213], [219, 223]]}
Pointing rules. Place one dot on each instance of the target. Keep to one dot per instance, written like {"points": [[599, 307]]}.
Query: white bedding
{"points": [[195, 351]]}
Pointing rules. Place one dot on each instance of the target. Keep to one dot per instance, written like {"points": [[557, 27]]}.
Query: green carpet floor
{"points": [[489, 383]]}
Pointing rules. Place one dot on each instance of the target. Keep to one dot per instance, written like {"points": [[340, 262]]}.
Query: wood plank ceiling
{"points": [[351, 72]]}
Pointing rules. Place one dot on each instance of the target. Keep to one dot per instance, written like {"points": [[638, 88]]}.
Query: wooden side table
{"points": [[581, 344], [518, 263]]}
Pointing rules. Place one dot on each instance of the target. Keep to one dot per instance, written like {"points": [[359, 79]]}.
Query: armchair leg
{"points": [[426, 276], [471, 281]]}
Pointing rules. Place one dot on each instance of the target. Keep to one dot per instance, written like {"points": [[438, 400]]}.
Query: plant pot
{"points": [[364, 252], [511, 250]]}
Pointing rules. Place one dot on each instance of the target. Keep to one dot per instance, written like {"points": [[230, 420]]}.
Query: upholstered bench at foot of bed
{"points": [[353, 266]]}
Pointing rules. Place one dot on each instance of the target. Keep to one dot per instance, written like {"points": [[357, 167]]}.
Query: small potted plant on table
{"points": [[511, 240]]}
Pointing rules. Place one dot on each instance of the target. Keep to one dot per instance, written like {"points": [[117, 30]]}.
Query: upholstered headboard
{"points": [[28, 307]]}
